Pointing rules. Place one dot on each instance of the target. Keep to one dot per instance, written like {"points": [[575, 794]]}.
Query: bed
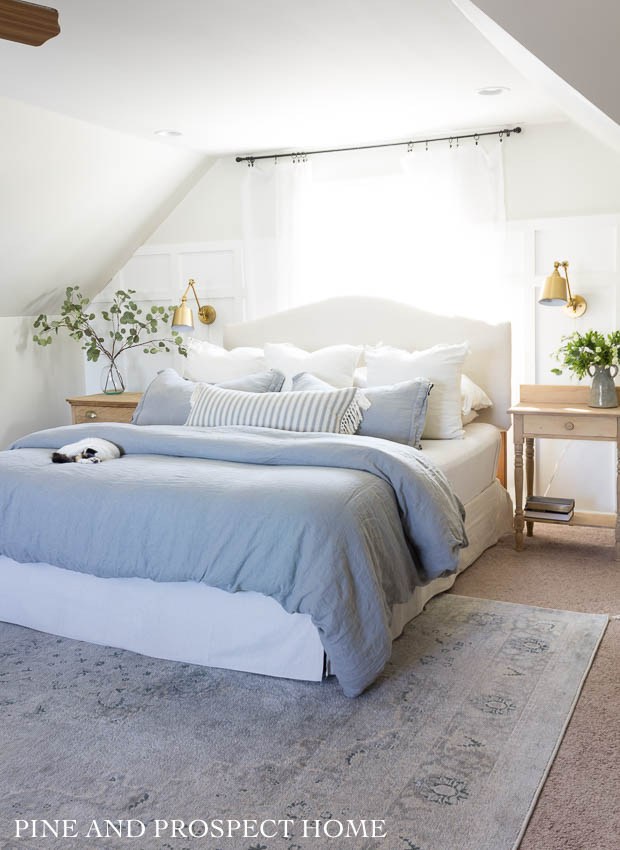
{"points": [[193, 622]]}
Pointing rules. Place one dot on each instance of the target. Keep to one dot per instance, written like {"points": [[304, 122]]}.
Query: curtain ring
{"points": [[450, 142], [476, 138], [410, 147], [501, 135], [426, 143], [250, 162]]}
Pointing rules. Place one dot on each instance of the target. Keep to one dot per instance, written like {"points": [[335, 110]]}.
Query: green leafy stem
{"points": [[128, 326]]}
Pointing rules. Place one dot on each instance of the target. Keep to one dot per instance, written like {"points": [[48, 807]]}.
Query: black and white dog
{"points": [[93, 450]]}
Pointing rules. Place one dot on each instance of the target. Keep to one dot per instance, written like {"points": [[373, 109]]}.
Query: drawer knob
{"points": [[569, 426], [91, 414]]}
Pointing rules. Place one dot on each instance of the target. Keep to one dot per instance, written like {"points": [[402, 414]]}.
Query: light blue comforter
{"points": [[340, 528]]}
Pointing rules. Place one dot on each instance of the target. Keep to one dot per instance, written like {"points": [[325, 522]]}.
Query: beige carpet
{"points": [[573, 569]]}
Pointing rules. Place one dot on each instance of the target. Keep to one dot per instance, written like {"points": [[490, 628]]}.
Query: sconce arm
{"points": [[206, 313]]}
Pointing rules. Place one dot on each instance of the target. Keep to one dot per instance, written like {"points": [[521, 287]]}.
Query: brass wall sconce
{"points": [[183, 318], [556, 292]]}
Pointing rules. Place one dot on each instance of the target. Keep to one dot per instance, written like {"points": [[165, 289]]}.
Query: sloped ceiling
{"points": [[83, 181], [241, 76], [76, 201], [566, 48]]}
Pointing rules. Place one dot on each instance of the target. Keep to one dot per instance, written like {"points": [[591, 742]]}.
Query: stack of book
{"points": [[549, 508]]}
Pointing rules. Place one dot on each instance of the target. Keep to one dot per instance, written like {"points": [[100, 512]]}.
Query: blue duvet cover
{"points": [[340, 528]]}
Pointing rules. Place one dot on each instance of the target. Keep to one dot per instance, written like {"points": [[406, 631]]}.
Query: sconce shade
{"points": [[183, 319], [555, 291]]}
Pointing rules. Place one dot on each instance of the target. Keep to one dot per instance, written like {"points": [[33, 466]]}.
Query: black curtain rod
{"points": [[457, 138]]}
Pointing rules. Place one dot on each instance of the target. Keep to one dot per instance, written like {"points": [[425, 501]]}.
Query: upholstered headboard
{"points": [[368, 321]]}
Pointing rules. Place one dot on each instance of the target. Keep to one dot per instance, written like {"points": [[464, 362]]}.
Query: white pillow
{"points": [[473, 397], [214, 364], [469, 417], [335, 364], [441, 364], [360, 377]]}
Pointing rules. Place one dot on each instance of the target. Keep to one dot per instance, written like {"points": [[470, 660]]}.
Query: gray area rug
{"points": [[447, 751]]}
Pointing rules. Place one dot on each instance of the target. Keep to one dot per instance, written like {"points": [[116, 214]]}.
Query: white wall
{"points": [[35, 381], [210, 212], [559, 169]]}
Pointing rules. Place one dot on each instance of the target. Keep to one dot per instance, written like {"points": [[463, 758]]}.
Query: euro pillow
{"points": [[338, 411], [166, 400], [473, 397], [442, 365], [214, 364], [396, 412], [334, 364], [466, 418]]}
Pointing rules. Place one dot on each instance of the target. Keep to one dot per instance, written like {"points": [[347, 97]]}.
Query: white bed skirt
{"points": [[191, 622]]}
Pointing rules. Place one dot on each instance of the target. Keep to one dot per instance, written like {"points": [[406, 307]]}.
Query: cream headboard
{"points": [[368, 321]]}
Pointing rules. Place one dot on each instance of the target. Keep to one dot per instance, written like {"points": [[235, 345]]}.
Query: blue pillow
{"points": [[397, 412], [166, 400]]}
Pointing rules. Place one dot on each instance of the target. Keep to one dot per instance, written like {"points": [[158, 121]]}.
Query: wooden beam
{"points": [[27, 23]]}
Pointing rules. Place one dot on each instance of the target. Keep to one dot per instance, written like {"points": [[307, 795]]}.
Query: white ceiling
{"points": [[243, 76]]}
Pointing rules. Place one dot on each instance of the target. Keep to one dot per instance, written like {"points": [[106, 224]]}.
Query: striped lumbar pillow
{"points": [[338, 411]]}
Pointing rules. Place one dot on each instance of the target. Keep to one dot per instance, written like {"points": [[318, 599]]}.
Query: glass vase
{"points": [[112, 382], [603, 389]]}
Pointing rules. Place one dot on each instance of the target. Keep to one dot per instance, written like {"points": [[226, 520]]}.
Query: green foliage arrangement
{"points": [[580, 351], [128, 326]]}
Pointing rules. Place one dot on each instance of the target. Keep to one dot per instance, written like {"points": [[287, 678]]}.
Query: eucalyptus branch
{"points": [[151, 342], [126, 328]]}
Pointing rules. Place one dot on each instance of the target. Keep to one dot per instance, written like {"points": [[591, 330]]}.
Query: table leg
{"points": [[518, 440], [618, 494], [529, 476]]}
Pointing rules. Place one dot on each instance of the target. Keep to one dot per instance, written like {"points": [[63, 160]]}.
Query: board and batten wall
{"points": [[583, 470], [159, 275]]}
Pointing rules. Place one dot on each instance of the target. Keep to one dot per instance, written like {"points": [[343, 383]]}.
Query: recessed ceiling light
{"points": [[491, 91], [168, 133]]}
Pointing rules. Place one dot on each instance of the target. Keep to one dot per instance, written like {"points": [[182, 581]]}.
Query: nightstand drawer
{"points": [[585, 427], [93, 413]]}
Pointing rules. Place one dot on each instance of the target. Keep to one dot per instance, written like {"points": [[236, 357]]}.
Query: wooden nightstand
{"points": [[558, 412], [103, 408]]}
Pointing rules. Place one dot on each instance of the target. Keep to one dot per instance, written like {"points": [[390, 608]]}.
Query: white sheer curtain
{"points": [[424, 227], [276, 205]]}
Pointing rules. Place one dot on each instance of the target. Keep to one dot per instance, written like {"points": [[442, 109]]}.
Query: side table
{"points": [[560, 412], [102, 407]]}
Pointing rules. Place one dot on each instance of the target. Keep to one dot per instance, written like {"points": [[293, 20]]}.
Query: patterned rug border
{"points": [[562, 732]]}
